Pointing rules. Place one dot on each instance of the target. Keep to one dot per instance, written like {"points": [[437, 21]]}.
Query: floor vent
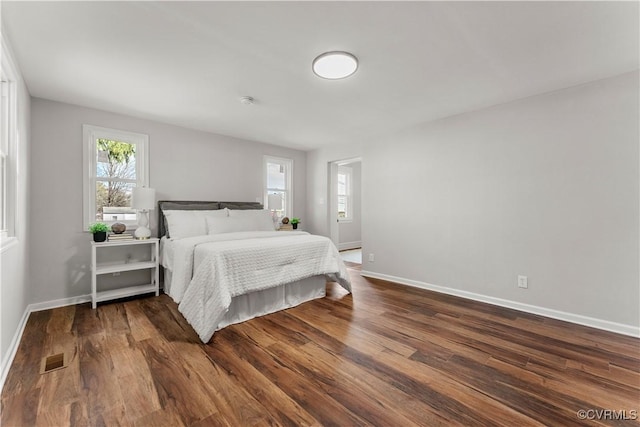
{"points": [[54, 362]]}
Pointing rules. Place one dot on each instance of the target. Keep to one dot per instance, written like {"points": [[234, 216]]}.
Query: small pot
{"points": [[100, 236], [295, 226]]}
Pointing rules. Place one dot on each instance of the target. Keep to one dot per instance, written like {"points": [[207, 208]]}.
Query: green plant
{"points": [[98, 227], [295, 221]]}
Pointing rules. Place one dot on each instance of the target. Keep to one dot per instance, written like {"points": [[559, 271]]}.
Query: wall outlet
{"points": [[372, 258], [523, 282]]}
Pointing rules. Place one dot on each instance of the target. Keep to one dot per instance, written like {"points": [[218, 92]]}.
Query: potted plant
{"points": [[99, 230], [295, 222]]}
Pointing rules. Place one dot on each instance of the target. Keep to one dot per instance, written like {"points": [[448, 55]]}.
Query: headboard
{"points": [[190, 205]]}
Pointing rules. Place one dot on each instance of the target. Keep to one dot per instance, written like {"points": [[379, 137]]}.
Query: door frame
{"points": [[332, 196]]}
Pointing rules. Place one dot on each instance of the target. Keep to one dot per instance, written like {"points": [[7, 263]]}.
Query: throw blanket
{"points": [[223, 270]]}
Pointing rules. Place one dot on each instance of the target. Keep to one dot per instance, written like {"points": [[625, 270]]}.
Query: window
{"points": [[4, 156], [345, 207], [277, 179], [115, 162], [8, 148]]}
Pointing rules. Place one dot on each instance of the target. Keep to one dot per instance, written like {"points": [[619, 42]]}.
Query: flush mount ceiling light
{"points": [[335, 65]]}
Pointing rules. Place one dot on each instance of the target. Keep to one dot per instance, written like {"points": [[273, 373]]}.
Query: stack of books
{"points": [[113, 237], [286, 227]]}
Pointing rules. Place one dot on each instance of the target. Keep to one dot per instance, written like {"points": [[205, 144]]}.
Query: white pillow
{"points": [[219, 225], [262, 220], [183, 224]]}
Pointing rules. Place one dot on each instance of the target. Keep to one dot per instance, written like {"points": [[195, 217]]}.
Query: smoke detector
{"points": [[247, 100]]}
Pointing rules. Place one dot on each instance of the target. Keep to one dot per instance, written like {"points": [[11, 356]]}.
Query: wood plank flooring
{"points": [[388, 355]]}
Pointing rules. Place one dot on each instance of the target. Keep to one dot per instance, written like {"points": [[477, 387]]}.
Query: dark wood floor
{"points": [[388, 355]]}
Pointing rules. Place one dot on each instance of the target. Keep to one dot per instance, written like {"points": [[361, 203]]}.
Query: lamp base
{"points": [[142, 233]]}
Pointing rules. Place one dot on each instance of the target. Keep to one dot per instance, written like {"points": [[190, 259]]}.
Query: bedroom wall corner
{"points": [[14, 257]]}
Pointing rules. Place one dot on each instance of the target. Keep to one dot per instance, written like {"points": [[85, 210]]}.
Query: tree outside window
{"points": [[115, 162], [116, 177]]}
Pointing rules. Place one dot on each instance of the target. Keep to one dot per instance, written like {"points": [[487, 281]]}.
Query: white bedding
{"points": [[208, 271], [178, 254]]}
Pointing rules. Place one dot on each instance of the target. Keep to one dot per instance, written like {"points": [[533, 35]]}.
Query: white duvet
{"points": [[178, 255], [208, 271]]}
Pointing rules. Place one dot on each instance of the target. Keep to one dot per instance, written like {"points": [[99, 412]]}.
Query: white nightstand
{"points": [[289, 228], [121, 256]]}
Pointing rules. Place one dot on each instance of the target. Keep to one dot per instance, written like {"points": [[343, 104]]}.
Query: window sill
{"points": [[7, 243]]}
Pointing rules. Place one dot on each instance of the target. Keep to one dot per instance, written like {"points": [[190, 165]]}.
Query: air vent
{"points": [[53, 363]]}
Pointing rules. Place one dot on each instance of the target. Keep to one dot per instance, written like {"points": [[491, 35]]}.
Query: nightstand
{"points": [[288, 227], [114, 258]]}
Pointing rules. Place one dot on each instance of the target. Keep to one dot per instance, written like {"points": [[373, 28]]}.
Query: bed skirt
{"points": [[267, 301]]}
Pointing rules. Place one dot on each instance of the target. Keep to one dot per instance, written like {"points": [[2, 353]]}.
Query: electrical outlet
{"points": [[372, 258], [523, 282]]}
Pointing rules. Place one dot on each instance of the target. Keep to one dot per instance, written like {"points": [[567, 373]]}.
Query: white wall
{"points": [[185, 165], [350, 232], [546, 187], [14, 284]]}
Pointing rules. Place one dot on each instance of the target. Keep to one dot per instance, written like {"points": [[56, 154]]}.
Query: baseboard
{"points": [[62, 302], [349, 245], [554, 314], [606, 325], [13, 347]]}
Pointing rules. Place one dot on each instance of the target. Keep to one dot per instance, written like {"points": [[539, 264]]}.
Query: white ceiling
{"points": [[187, 63]]}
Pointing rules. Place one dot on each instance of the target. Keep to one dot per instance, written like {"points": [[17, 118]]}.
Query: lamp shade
{"points": [[275, 202], [143, 198]]}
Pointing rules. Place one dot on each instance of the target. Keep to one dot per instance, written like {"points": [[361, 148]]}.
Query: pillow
{"points": [[219, 225], [262, 220], [181, 224], [184, 206]]}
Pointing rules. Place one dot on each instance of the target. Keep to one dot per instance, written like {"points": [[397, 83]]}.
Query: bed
{"points": [[224, 263]]}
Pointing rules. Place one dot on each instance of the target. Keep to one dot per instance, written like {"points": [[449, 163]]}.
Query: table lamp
{"points": [[143, 200]]}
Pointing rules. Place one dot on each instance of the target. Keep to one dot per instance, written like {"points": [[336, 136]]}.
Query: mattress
{"points": [[253, 304]]}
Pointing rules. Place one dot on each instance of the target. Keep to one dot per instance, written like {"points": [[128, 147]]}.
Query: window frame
{"points": [[90, 134], [348, 172], [288, 165], [9, 145]]}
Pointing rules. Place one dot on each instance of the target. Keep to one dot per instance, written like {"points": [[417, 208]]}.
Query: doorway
{"points": [[344, 195]]}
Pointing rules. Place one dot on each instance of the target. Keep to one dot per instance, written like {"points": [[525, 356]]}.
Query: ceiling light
{"points": [[247, 100], [335, 65]]}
